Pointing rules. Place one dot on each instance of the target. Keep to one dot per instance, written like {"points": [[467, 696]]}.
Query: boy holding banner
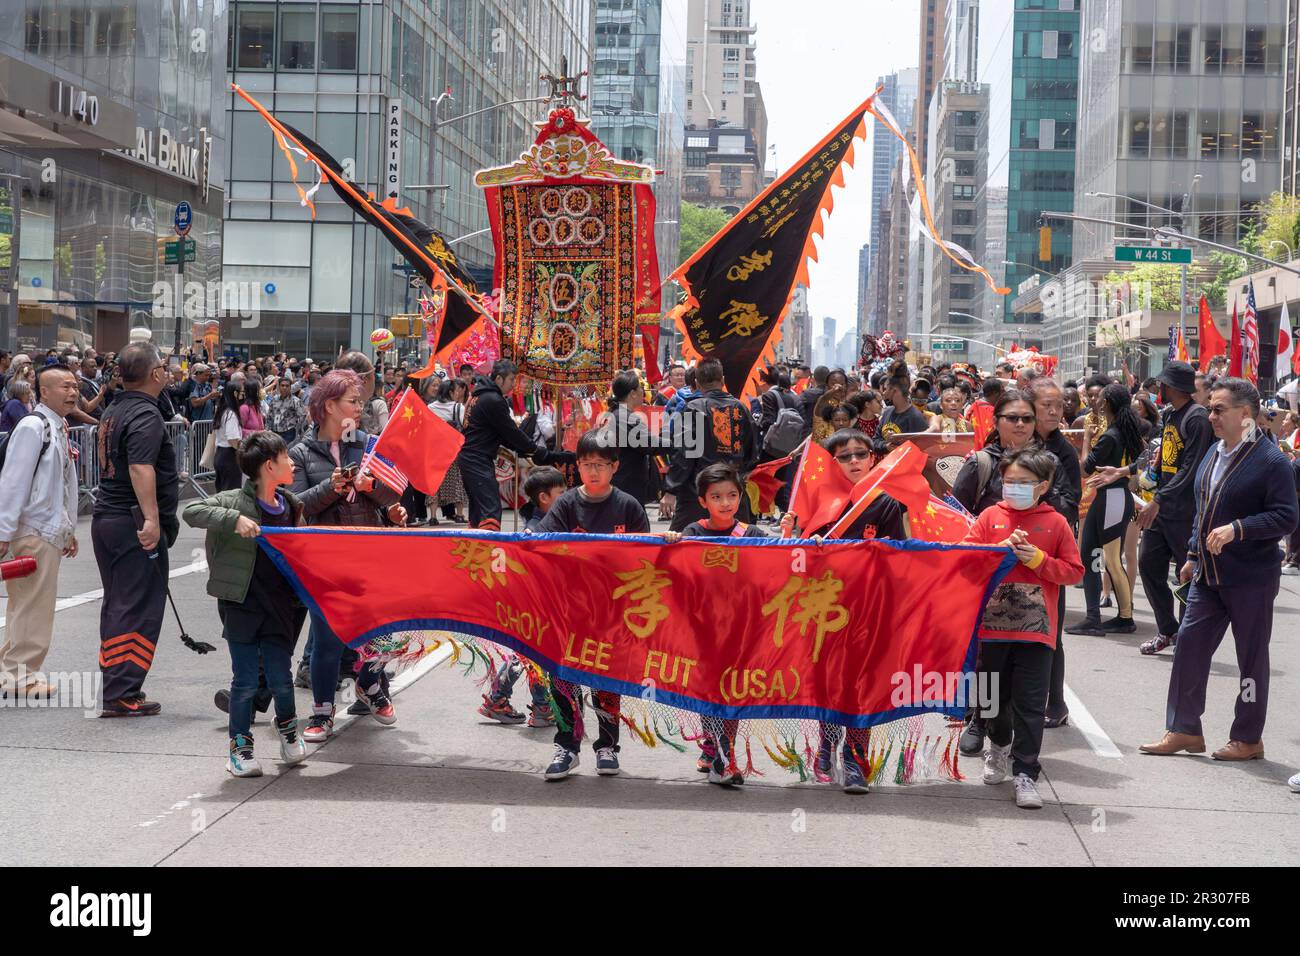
{"points": [[595, 507]]}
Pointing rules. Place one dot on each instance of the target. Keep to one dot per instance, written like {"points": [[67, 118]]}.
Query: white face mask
{"points": [[1020, 497]]}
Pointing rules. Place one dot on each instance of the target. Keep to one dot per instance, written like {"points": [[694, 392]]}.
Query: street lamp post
{"points": [[1279, 242]]}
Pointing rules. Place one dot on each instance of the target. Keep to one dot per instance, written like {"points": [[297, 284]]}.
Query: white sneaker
{"points": [[292, 748], [996, 762], [1027, 797], [1290, 570], [1294, 783], [241, 762]]}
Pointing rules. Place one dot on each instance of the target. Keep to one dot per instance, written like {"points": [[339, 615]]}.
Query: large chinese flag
{"points": [[900, 474], [940, 522], [419, 443], [1211, 342]]}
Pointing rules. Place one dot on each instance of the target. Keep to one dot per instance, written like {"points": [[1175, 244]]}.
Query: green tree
{"points": [[698, 225], [1163, 281], [1227, 268], [1279, 221]]}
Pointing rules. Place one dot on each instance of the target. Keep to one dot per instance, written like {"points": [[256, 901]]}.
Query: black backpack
{"points": [[45, 443]]}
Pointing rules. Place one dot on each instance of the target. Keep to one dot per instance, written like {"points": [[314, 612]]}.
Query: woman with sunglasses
{"points": [[979, 484]]}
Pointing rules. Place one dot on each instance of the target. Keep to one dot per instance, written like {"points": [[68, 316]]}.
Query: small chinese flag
{"points": [[762, 496], [939, 521], [1234, 347], [820, 490], [419, 443]]}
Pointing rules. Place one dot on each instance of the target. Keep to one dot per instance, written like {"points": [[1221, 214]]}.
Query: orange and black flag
{"points": [[428, 253], [740, 283]]}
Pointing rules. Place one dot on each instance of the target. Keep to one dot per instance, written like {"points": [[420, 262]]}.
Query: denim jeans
{"points": [[509, 675], [245, 661], [326, 653]]}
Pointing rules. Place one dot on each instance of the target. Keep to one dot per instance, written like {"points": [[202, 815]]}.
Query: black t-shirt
{"points": [[619, 513], [269, 611], [882, 519], [701, 529], [892, 422], [132, 433]]}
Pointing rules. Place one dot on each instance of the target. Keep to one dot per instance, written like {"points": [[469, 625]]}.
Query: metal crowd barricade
{"points": [[82, 438], [188, 440]]}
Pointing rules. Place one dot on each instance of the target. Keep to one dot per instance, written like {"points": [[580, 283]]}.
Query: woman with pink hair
{"points": [[333, 491]]}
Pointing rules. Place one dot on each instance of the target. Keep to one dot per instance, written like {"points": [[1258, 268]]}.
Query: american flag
{"points": [[382, 469], [1250, 337]]}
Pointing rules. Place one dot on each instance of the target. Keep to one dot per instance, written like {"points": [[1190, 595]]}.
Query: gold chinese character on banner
{"points": [[643, 585], [484, 563], [744, 319], [721, 557], [813, 601], [752, 262]]}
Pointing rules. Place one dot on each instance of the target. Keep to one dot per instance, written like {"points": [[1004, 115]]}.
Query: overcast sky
{"points": [[817, 60]]}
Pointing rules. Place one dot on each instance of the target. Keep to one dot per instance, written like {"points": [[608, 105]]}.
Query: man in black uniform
{"points": [[723, 431], [133, 526], [1185, 437], [488, 427], [900, 415]]}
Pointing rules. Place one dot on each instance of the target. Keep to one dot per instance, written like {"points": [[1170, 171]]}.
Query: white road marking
{"points": [[79, 599], [1087, 725]]}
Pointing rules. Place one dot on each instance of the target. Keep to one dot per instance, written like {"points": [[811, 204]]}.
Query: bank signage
{"points": [[159, 147]]}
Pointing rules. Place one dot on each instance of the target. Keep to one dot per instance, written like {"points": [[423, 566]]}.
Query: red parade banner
{"points": [[734, 628]]}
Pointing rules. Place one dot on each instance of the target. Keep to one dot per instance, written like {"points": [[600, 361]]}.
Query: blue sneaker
{"points": [[824, 765], [853, 778], [562, 764], [607, 762]]}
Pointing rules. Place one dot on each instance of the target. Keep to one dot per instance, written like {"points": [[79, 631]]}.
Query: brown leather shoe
{"points": [[1172, 743], [1239, 750]]}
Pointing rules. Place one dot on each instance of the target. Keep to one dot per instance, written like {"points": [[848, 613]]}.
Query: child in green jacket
{"points": [[258, 608]]}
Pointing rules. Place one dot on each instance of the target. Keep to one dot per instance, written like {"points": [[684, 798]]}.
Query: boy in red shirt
{"points": [[1018, 632]]}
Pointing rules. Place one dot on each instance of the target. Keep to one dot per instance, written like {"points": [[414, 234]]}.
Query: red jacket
{"points": [[1023, 607]]}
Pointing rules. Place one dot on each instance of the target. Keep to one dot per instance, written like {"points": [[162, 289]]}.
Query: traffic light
{"points": [[1045, 243]]}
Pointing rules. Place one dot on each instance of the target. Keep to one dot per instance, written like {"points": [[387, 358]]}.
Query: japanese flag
{"points": [[1286, 352]]}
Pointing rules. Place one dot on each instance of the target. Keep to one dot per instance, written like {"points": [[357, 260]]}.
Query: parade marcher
{"points": [[883, 518], [629, 433], [1018, 632], [720, 491], [723, 431], [38, 519], [543, 487], [1245, 504], [260, 614], [1166, 521], [449, 405], [1067, 489], [950, 420], [811, 395], [489, 426], [1102, 538], [133, 526], [900, 416], [978, 487], [595, 507], [333, 492]]}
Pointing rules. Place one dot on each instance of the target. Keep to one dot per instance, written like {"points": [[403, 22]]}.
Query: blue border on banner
{"points": [[626, 688]]}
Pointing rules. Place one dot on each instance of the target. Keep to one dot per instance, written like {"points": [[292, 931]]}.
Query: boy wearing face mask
{"points": [[1018, 632]]}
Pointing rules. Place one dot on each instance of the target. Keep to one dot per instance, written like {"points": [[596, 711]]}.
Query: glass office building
{"points": [[111, 115], [1030, 52], [357, 76], [1184, 104]]}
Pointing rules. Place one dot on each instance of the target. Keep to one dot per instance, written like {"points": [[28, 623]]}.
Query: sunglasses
{"points": [[1018, 419], [848, 456]]}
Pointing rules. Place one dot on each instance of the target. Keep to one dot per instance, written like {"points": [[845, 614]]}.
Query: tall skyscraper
{"points": [[899, 96], [864, 281], [638, 99], [1029, 58], [929, 71]]}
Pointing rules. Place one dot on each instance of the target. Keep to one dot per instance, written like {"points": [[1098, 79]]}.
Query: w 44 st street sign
{"points": [[1160, 254]]}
